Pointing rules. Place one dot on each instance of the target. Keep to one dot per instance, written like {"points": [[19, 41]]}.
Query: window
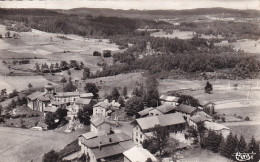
{"points": [[136, 134], [141, 136]]}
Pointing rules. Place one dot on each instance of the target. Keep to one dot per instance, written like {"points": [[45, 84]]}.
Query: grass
{"points": [[26, 145], [247, 131], [201, 155]]}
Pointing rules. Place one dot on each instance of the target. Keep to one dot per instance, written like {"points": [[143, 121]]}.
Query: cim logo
{"points": [[244, 156]]}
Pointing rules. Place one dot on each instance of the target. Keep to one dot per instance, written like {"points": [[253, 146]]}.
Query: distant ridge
{"points": [[159, 13]]}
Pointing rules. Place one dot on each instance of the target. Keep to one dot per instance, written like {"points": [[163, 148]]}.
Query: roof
{"points": [[127, 144], [82, 101], [89, 135], [145, 111], [185, 109], [202, 113], [50, 109], [35, 95], [49, 86], [162, 120], [138, 154], [103, 104], [169, 98], [105, 140], [57, 103], [108, 151], [198, 118], [97, 120], [165, 108], [43, 98], [214, 126], [67, 94], [86, 95]]}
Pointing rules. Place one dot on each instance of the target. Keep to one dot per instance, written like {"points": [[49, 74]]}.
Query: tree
{"points": [[125, 92], [96, 53], [134, 105], [30, 86], [121, 101], [51, 156], [152, 94], [64, 65], [115, 94], [63, 81], [161, 137], [84, 115], [69, 87], [50, 120], [13, 94], [61, 114], [3, 92], [212, 141], [228, 148], [92, 88], [241, 146], [8, 34], [37, 68], [208, 88], [253, 147], [106, 53], [86, 73], [69, 73]]}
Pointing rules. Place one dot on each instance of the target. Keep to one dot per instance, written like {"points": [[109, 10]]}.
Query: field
{"points": [[228, 99], [24, 145], [41, 47]]}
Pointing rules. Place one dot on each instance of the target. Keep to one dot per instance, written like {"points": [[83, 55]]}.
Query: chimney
{"points": [[100, 144]]}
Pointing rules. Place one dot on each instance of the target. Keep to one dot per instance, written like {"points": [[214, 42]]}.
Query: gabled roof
{"points": [[86, 95], [106, 140], [44, 98], [215, 126], [82, 101], [108, 151], [50, 109], [89, 135], [145, 111], [185, 109], [57, 102], [165, 108], [103, 104], [162, 120], [97, 120], [35, 95], [197, 118], [169, 98], [67, 94], [138, 154]]}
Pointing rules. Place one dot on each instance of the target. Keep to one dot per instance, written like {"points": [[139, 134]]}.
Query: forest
{"points": [[195, 55]]}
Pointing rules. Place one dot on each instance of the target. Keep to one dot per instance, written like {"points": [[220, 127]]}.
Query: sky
{"points": [[133, 4]]}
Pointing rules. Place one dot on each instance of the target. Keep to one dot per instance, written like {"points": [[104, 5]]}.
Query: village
{"points": [[114, 135]]}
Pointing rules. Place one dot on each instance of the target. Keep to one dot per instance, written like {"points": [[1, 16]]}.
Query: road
{"points": [[23, 145]]}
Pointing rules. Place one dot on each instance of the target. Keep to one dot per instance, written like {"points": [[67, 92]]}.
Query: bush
{"points": [[96, 53], [223, 119], [106, 53], [247, 118]]}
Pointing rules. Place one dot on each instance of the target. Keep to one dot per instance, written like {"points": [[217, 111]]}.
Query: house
{"points": [[81, 102], [173, 100], [32, 100], [143, 127], [199, 117], [105, 147], [166, 108], [218, 128], [68, 97], [102, 108], [144, 112], [87, 96], [100, 125], [138, 154], [186, 110], [39, 100]]}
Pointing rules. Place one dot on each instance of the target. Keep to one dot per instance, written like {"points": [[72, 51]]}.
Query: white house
{"points": [[173, 100], [138, 154], [106, 147], [102, 108], [143, 127], [100, 125], [218, 128]]}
